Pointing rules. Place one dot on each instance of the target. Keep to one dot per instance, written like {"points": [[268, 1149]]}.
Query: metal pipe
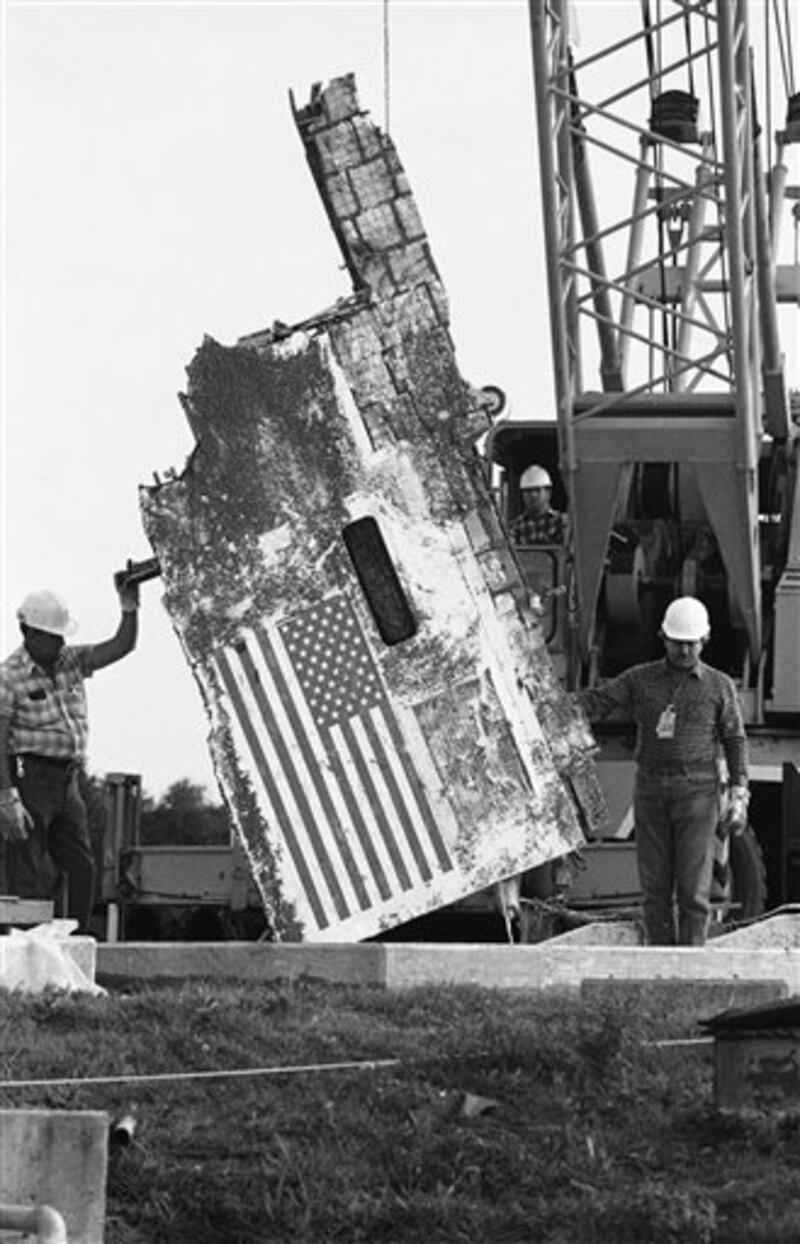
{"points": [[123, 1129], [635, 239], [609, 359], [777, 189], [48, 1224], [695, 227], [738, 195], [112, 923], [552, 185], [776, 408]]}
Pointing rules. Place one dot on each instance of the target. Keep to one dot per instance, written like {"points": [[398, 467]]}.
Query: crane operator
{"points": [[538, 523]]}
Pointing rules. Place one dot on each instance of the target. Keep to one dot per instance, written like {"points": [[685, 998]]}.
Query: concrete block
{"points": [[546, 965], [57, 1158], [21, 912], [601, 933], [349, 964], [550, 966]]}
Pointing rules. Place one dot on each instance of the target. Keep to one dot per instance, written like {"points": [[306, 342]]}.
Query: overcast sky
{"points": [[156, 191]]}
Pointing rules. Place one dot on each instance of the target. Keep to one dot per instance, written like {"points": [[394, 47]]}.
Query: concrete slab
{"points": [[348, 964], [550, 966], [547, 965], [600, 933], [776, 931], [57, 1158]]}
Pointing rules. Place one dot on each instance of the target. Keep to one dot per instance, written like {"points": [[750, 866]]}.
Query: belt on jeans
{"points": [[680, 770], [59, 764]]}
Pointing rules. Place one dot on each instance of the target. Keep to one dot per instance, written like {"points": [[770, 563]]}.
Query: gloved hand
{"points": [[128, 594], [15, 819], [734, 815]]}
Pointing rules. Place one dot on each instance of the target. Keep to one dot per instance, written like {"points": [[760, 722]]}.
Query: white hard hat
{"points": [[46, 611], [535, 477], [686, 619]]}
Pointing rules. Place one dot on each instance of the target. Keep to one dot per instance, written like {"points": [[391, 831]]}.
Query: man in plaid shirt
{"points": [[538, 523], [43, 731]]}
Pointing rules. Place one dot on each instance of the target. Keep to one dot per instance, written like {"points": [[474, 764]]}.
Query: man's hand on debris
{"points": [[15, 819], [128, 594], [734, 813]]}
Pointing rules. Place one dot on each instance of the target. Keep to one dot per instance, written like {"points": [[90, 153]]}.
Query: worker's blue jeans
{"points": [[57, 843], [675, 818]]}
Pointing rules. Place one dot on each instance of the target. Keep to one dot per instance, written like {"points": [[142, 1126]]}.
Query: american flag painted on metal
{"points": [[345, 788]]}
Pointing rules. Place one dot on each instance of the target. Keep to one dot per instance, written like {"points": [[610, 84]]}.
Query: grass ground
{"points": [[508, 1117]]}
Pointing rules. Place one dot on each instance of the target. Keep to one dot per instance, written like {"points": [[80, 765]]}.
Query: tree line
{"points": [[183, 816]]}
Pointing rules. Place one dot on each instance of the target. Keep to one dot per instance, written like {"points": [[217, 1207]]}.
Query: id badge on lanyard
{"points": [[665, 726]]}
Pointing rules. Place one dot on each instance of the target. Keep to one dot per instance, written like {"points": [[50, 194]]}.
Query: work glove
{"points": [[734, 815], [15, 819], [128, 594]]}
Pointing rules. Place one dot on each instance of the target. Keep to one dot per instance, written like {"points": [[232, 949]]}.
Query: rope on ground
{"points": [[372, 1064], [674, 1043]]}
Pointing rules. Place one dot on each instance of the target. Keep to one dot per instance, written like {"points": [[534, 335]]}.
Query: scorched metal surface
{"points": [[385, 724]]}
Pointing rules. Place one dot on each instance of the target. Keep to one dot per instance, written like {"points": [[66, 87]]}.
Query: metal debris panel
{"points": [[386, 727]]}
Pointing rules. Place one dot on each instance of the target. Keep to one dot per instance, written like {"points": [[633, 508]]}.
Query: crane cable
{"points": [[648, 43], [687, 20], [386, 67], [654, 71], [791, 85], [768, 77], [784, 45]]}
